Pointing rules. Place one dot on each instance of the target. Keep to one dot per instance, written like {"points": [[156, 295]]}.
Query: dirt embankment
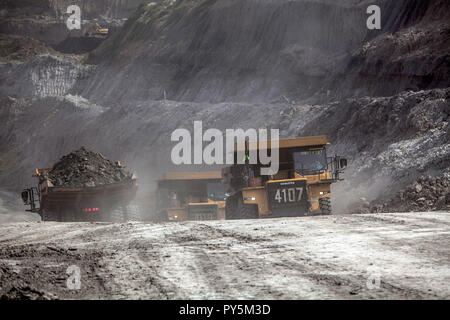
{"points": [[18, 48]]}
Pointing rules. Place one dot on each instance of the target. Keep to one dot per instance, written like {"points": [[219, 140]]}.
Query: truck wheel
{"points": [[68, 216], [49, 216], [230, 207], [325, 205], [235, 208], [246, 211], [162, 216], [117, 215], [133, 212]]}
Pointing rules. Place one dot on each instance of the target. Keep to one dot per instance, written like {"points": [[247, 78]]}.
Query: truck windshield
{"points": [[310, 161], [216, 191]]}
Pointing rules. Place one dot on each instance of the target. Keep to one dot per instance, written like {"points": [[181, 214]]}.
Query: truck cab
{"points": [[191, 196]]}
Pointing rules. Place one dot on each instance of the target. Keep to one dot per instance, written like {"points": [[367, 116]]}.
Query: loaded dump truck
{"points": [[83, 186], [301, 187], [191, 196]]}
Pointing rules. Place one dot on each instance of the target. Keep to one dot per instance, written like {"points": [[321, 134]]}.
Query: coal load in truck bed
{"points": [[84, 168]]}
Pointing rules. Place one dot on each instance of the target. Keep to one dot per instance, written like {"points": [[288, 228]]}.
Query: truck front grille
{"points": [[203, 212]]}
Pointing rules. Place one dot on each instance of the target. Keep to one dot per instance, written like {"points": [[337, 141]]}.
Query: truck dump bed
{"points": [[82, 186], [85, 204]]}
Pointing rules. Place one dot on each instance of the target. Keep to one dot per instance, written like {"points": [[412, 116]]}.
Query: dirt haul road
{"points": [[397, 255]]}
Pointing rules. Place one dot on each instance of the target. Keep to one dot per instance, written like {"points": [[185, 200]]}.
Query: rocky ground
{"points": [[12, 209], [399, 256], [18, 48], [304, 67]]}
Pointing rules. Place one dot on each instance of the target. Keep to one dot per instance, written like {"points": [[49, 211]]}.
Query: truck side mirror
{"points": [[342, 162], [25, 196]]}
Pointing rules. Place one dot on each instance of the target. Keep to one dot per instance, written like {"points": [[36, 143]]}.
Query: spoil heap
{"points": [[427, 193], [84, 168]]}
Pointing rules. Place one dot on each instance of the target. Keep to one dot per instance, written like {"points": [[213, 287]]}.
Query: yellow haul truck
{"points": [[301, 186], [191, 196]]}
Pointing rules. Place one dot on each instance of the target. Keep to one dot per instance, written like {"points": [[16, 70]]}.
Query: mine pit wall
{"points": [[298, 49], [411, 52], [45, 20], [272, 48]]}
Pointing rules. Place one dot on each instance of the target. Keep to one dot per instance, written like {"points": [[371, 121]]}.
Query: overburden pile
{"points": [[84, 168], [427, 193]]}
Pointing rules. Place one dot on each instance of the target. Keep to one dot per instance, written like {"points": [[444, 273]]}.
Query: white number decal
{"points": [[288, 195], [284, 194], [278, 196], [300, 192], [291, 194]]}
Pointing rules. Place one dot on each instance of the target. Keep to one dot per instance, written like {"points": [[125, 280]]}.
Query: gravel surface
{"points": [[371, 256]]}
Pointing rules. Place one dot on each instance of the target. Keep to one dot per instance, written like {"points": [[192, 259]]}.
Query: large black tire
{"points": [[132, 212], [231, 207], [247, 211], [117, 215], [235, 208], [162, 216], [49, 215], [325, 205], [68, 216]]}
